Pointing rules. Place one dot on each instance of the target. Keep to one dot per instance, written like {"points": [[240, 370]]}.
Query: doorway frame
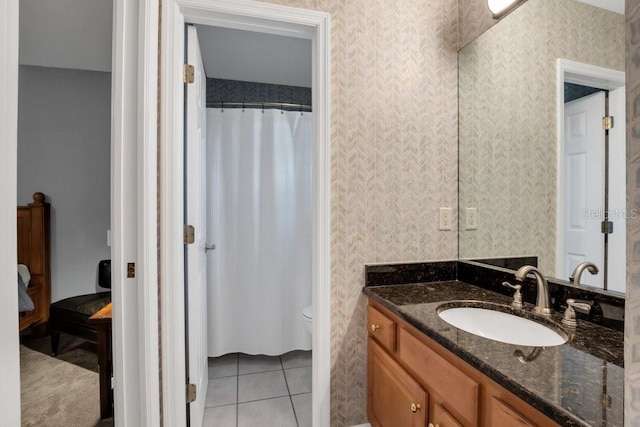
{"points": [[134, 235], [134, 212], [259, 17], [587, 75], [9, 350]]}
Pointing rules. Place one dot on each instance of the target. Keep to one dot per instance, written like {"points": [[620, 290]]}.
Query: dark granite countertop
{"points": [[579, 383]]}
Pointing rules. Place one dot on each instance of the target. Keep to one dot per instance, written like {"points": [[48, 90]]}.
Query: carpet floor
{"points": [[56, 392], [71, 349]]}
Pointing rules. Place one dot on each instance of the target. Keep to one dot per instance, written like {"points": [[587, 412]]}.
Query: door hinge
{"points": [[189, 234], [606, 227], [607, 122], [191, 393], [189, 73]]}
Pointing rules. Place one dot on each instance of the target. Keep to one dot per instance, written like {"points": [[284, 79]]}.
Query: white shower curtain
{"points": [[260, 218]]}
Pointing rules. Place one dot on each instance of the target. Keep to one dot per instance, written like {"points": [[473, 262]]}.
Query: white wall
{"points": [[64, 122], [255, 57], [66, 33]]}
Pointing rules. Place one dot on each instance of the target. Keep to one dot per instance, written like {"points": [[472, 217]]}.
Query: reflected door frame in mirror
{"points": [[603, 78]]}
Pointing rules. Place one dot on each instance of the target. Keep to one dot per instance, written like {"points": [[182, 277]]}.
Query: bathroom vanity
{"points": [[422, 371]]}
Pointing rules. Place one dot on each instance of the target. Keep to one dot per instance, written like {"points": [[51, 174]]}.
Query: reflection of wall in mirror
{"points": [[474, 17], [632, 332], [508, 121]]}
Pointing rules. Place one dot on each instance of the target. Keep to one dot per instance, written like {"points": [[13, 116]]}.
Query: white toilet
{"points": [[307, 317]]}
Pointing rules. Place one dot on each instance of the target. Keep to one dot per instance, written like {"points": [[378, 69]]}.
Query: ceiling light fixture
{"points": [[499, 8]]}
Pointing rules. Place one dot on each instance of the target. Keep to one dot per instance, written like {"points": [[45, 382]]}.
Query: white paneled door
{"points": [[584, 180], [195, 215]]}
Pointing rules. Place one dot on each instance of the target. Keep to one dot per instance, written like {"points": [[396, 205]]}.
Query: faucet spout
{"points": [[543, 302], [577, 273]]}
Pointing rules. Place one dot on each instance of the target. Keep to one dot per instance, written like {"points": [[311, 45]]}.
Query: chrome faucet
{"points": [[543, 302], [577, 273]]}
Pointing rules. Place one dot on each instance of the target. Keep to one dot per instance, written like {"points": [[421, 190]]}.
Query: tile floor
{"points": [[269, 391]]}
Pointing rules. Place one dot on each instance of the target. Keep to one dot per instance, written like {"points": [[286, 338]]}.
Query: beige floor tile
{"points": [[267, 413]]}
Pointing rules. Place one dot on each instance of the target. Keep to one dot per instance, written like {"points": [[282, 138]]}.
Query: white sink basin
{"points": [[503, 327]]}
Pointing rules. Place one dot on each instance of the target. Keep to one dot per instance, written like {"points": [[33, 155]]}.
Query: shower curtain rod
{"points": [[263, 105]]}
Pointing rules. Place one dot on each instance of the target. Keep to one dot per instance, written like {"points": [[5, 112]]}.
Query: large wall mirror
{"points": [[539, 176]]}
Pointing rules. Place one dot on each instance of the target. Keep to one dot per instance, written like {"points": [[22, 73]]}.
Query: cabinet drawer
{"points": [[458, 393], [382, 328]]}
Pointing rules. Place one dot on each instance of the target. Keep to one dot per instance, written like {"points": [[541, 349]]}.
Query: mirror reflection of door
{"points": [[584, 158], [594, 203]]}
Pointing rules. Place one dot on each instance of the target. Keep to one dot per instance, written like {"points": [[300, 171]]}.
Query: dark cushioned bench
{"points": [[70, 315]]}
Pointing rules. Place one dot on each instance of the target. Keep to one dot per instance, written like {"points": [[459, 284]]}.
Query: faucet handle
{"points": [[517, 297], [569, 318]]}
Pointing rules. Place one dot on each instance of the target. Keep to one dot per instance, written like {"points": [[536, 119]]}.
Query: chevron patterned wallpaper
{"points": [[394, 159], [508, 121], [632, 315]]}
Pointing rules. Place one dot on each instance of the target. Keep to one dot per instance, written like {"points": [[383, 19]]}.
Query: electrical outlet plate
{"points": [[445, 219], [471, 221]]}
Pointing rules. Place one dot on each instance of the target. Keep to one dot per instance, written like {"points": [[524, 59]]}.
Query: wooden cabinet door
{"points": [[504, 415], [395, 398], [441, 377], [441, 418]]}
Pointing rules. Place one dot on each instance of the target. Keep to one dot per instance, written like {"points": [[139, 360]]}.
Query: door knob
{"points": [[211, 247], [375, 328], [415, 407]]}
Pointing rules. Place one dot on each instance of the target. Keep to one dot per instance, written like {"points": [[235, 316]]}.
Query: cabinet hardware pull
{"points": [[415, 407], [431, 425], [375, 328]]}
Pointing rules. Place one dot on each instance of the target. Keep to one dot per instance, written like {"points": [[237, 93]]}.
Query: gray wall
{"points": [[64, 121], [73, 34], [255, 57]]}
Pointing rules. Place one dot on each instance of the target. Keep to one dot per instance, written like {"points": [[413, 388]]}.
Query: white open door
{"points": [[584, 185], [617, 245], [195, 204]]}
